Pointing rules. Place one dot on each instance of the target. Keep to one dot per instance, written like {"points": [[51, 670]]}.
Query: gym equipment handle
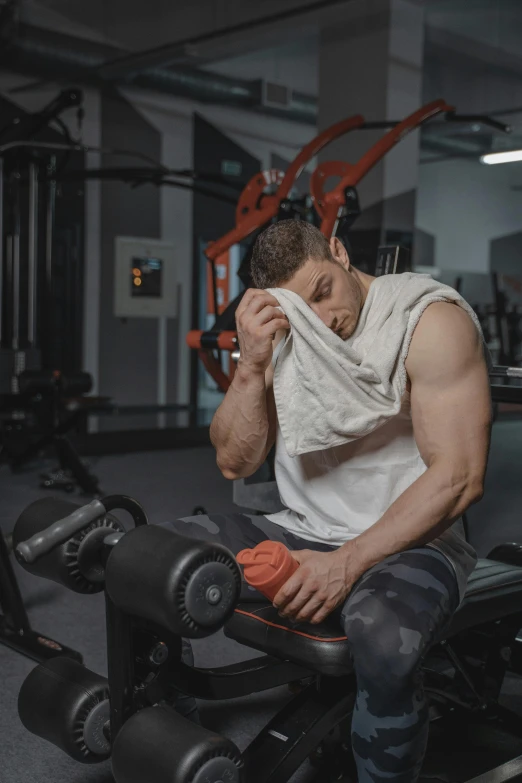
{"points": [[41, 543], [505, 372], [226, 341]]}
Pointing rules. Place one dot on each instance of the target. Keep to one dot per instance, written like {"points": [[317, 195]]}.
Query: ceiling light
{"points": [[502, 157]]}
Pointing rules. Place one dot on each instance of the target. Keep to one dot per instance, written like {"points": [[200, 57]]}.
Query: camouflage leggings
{"points": [[393, 615]]}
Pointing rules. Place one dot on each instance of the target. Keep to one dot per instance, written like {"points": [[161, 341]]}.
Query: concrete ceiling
{"points": [[496, 23], [487, 32], [136, 25], [140, 24], [293, 64], [282, 53]]}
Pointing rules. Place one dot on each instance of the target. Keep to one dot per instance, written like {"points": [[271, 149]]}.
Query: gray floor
{"points": [[170, 484]]}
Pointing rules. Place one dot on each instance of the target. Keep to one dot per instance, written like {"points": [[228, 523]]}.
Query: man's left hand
{"points": [[320, 584]]}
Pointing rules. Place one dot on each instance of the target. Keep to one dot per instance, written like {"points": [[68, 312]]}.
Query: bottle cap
{"points": [[267, 567]]}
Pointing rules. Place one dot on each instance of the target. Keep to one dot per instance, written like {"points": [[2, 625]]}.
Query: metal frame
{"points": [[255, 210], [267, 209], [15, 628], [510, 771], [330, 206], [32, 254], [135, 684], [1, 248], [26, 268]]}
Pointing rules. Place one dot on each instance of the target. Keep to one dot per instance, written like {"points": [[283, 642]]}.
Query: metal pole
{"points": [[15, 342], [162, 369], [32, 252], [16, 292], [120, 665], [49, 230], [1, 245], [8, 269], [50, 226]]}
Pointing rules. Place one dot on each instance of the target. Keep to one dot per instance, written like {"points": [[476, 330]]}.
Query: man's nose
{"points": [[328, 318], [331, 321]]}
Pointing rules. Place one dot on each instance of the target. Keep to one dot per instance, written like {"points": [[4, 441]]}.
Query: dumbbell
{"points": [[68, 705], [157, 745], [63, 542], [182, 585], [186, 586]]}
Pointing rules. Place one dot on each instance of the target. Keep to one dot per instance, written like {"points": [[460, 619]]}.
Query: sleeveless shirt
{"points": [[333, 495]]}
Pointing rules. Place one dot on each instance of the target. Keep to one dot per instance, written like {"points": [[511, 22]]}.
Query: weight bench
{"points": [[494, 592], [161, 587]]}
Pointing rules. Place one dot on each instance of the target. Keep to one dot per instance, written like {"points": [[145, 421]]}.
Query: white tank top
{"points": [[332, 496]]}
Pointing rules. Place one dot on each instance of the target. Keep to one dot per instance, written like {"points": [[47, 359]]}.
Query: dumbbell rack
{"points": [[15, 628]]}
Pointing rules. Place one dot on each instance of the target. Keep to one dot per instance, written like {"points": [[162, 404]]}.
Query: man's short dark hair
{"points": [[283, 248]]}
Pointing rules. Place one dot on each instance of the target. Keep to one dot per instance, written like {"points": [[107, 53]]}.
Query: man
{"points": [[373, 523]]}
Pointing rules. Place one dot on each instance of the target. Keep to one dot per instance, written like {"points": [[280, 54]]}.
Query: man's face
{"points": [[331, 291]]}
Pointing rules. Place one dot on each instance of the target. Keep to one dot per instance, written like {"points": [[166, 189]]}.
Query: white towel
{"points": [[329, 391]]}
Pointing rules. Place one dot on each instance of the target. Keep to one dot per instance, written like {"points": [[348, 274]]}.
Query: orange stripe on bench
{"points": [[283, 628]]}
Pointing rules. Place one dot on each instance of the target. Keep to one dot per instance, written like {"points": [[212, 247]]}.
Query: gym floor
{"points": [[170, 484]]}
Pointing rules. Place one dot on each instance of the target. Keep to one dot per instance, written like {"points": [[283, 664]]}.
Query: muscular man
{"points": [[373, 523]]}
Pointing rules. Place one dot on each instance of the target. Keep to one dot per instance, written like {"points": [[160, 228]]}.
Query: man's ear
{"points": [[339, 252]]}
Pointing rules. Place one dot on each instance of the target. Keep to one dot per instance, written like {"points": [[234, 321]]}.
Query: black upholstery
{"points": [[323, 648], [494, 591]]}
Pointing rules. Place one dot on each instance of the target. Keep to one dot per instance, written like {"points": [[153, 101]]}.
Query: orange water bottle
{"points": [[267, 567]]}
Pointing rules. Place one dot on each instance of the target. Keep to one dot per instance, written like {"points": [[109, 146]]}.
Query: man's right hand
{"points": [[258, 318]]}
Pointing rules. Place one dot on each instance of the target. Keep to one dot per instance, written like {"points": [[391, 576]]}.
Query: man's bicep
{"points": [[450, 396]]}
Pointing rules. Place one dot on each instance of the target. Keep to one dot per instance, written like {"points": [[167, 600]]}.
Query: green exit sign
{"points": [[231, 167]]}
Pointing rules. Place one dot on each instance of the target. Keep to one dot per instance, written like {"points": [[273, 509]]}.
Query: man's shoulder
{"points": [[448, 316], [444, 336]]}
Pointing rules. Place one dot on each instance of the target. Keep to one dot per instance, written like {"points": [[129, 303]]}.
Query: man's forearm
{"points": [[423, 511], [239, 428]]}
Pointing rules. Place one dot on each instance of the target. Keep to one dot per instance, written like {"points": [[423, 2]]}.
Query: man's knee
{"points": [[381, 641]]}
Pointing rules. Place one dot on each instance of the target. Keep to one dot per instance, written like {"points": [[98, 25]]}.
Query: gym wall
{"points": [[163, 128], [128, 348], [464, 205]]}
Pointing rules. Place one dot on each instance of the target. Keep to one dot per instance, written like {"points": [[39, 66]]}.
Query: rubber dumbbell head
{"points": [[76, 564], [187, 586], [68, 705], [158, 745]]}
